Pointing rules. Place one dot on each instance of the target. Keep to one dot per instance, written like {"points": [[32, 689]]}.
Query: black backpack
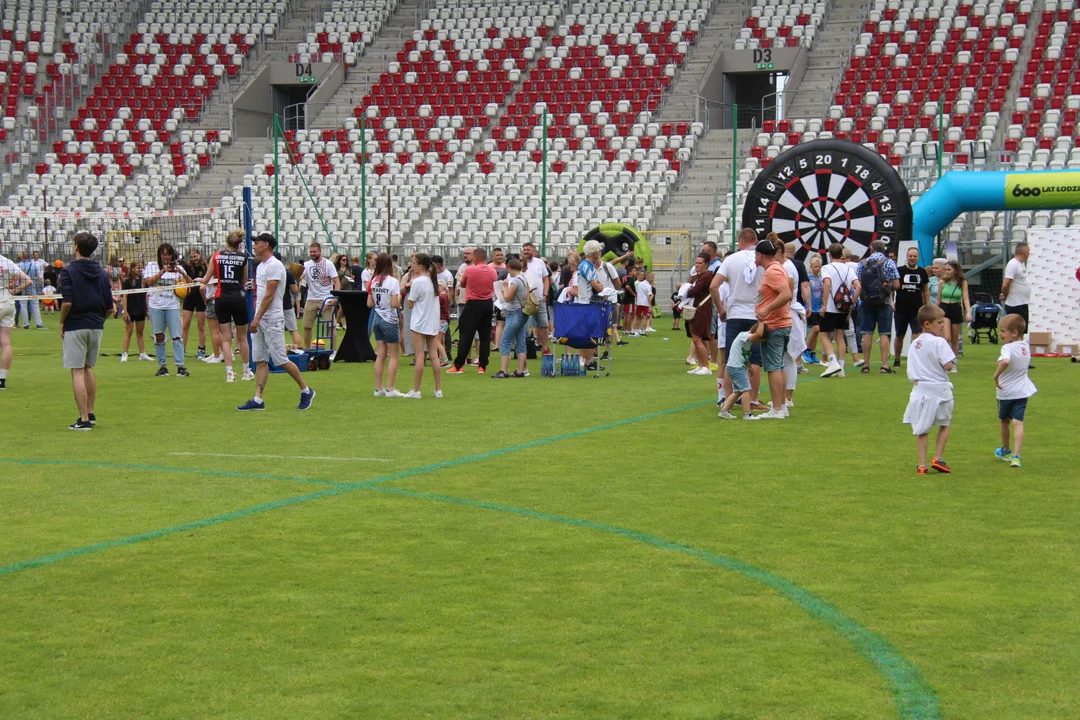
{"points": [[875, 289]]}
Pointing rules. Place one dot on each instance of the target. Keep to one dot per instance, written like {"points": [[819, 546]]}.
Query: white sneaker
{"points": [[393, 392], [786, 412], [751, 416], [230, 376], [214, 360], [726, 415], [248, 375], [832, 369], [123, 357], [803, 370], [690, 361], [771, 415], [789, 403], [841, 373], [144, 357], [859, 363], [379, 392], [438, 393], [954, 369], [649, 329], [412, 395]]}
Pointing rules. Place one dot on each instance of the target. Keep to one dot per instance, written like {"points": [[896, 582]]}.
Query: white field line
{"points": [[281, 457]]}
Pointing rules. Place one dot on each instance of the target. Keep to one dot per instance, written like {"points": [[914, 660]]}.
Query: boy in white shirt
{"points": [[1013, 386], [930, 359]]}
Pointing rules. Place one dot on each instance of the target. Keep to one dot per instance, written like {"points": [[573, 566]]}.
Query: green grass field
{"points": [[571, 548]]}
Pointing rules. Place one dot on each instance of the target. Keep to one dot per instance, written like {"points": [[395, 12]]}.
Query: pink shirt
{"points": [[479, 281]]}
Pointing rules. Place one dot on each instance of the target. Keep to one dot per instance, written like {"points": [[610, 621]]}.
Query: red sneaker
{"points": [[940, 465], [921, 470], [481, 371], [454, 371]]}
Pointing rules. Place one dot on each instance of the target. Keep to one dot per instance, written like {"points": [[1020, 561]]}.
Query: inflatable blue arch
{"points": [[960, 191]]}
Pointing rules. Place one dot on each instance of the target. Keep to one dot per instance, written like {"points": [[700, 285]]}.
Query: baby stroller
{"points": [[984, 318], [584, 327]]}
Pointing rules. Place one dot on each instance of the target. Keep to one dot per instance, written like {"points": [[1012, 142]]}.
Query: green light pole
{"points": [[543, 189]]}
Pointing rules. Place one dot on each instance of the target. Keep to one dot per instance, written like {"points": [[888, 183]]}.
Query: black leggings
{"points": [[475, 318]]}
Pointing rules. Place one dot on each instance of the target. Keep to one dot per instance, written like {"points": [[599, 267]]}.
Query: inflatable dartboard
{"points": [[619, 239], [830, 191]]}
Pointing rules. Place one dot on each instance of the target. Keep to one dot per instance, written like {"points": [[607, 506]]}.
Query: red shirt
{"points": [[774, 282], [444, 307], [479, 281]]}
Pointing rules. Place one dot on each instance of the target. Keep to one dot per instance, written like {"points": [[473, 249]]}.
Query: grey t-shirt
{"points": [[521, 292]]}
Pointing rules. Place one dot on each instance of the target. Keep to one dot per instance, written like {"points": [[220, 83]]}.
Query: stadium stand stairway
{"points": [[828, 58], [681, 100], [360, 78], [229, 166]]}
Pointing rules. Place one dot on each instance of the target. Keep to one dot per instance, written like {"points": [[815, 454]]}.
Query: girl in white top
{"points": [[164, 275], [424, 321], [384, 297]]}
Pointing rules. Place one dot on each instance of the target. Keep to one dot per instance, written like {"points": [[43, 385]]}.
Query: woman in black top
{"points": [[134, 305], [194, 302]]}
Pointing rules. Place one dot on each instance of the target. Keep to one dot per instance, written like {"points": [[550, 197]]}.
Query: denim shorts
{"points": [[774, 348], [879, 317], [1012, 409], [388, 333], [740, 381]]}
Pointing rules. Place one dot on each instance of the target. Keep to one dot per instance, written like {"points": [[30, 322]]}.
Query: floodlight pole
{"points": [[277, 174], [543, 188], [734, 171], [363, 186]]}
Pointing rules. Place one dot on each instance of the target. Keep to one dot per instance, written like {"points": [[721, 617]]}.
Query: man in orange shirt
{"points": [[775, 296]]}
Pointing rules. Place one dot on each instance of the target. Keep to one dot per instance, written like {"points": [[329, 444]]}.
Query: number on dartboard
{"points": [[826, 192]]}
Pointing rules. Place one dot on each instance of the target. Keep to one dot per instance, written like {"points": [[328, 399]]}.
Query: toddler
{"points": [[1013, 386]]}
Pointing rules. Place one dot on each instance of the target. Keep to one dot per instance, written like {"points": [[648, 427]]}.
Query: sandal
{"points": [[499, 376], [865, 370], [885, 370], [518, 374]]}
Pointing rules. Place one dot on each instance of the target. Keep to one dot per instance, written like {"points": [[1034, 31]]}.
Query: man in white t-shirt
{"points": [[268, 326], [321, 279], [1015, 291], [540, 278], [445, 276], [12, 279], [743, 276]]}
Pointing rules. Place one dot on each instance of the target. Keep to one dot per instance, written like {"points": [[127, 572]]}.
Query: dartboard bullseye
{"points": [[830, 191]]}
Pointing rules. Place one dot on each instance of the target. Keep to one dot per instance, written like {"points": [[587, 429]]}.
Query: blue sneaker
{"points": [[807, 357], [305, 399], [1003, 454], [251, 405]]}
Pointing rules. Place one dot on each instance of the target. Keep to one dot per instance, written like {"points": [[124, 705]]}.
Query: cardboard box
{"points": [[1044, 339], [1040, 349], [1067, 349]]}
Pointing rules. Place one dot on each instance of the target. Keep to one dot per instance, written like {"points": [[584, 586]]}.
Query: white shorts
{"points": [[797, 339], [927, 408], [7, 313], [268, 343], [290, 320], [721, 333]]}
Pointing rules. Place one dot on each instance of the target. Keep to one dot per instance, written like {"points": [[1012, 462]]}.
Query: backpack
{"points": [[532, 303], [842, 298], [875, 290]]}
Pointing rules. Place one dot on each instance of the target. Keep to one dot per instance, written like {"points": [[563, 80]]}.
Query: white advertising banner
{"points": [[1055, 288]]}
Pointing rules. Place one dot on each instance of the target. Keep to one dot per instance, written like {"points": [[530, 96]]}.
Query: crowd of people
{"points": [[754, 314]]}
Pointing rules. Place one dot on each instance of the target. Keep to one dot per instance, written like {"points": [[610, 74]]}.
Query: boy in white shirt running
{"points": [[930, 359], [1013, 386]]}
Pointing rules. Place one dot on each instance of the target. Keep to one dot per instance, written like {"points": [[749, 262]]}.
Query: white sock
{"points": [[3, 374], [832, 357], [258, 400], [843, 364], [229, 367], [720, 388]]}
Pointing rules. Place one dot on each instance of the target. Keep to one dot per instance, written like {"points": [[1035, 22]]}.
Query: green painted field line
{"points": [[914, 698]]}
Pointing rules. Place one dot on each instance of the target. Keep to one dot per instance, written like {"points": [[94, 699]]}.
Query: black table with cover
{"points": [[354, 345]]}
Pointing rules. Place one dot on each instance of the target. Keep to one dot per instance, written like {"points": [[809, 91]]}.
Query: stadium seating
{"points": [[914, 73], [345, 31], [130, 125], [774, 24]]}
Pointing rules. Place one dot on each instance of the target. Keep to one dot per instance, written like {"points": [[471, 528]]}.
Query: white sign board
{"points": [[1055, 290]]}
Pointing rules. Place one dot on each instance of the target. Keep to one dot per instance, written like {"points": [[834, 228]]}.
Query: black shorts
{"points": [[194, 301], [830, 322], [905, 318], [954, 313], [1021, 310], [232, 309], [813, 320], [138, 318]]}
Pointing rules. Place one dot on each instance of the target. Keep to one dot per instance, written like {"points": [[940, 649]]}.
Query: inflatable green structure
{"points": [[619, 239]]}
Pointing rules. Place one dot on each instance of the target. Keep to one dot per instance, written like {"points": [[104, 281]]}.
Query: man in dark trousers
{"points": [[479, 282], [87, 301]]}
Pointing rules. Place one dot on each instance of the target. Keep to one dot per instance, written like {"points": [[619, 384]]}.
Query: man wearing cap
{"points": [[776, 291], [268, 326]]}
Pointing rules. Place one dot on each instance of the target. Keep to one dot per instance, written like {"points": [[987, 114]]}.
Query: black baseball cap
{"points": [[765, 247], [268, 239]]}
